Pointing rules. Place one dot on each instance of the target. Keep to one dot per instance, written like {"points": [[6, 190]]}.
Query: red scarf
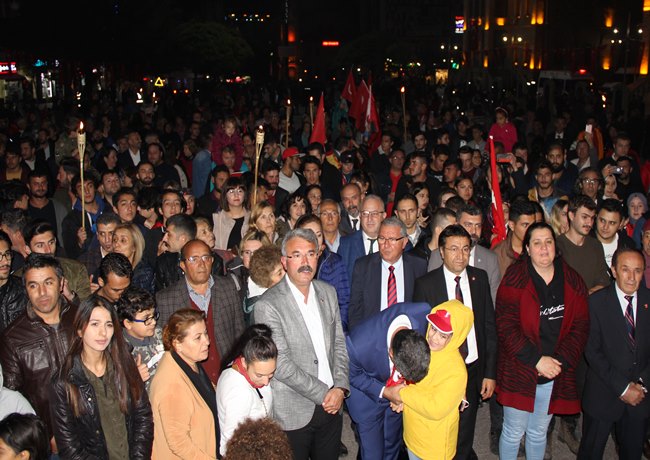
{"points": [[238, 365]]}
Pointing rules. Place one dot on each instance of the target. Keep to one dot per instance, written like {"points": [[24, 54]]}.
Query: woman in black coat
{"points": [[98, 402]]}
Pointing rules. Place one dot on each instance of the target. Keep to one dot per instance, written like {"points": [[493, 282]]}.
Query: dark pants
{"points": [[630, 434], [320, 439], [468, 416]]}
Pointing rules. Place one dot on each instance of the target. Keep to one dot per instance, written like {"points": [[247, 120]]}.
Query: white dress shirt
{"points": [[311, 316], [366, 244], [623, 302], [450, 281], [399, 281]]}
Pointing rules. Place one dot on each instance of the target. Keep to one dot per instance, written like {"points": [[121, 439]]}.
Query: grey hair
{"points": [[373, 197], [304, 233], [395, 222], [331, 201]]}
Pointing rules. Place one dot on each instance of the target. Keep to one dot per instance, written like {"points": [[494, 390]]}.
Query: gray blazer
{"points": [[296, 388], [484, 259], [227, 313]]}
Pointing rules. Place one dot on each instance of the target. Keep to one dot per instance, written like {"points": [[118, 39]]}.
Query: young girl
{"points": [[99, 406]]}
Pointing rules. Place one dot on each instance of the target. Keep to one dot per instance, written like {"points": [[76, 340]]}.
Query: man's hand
{"points": [[65, 290], [162, 247], [333, 400], [548, 367], [633, 395], [142, 368], [397, 407], [392, 394], [487, 389], [94, 287], [82, 236]]}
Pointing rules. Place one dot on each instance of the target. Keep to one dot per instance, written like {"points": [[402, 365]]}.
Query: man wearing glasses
{"points": [[456, 279], [217, 297], [384, 278]]}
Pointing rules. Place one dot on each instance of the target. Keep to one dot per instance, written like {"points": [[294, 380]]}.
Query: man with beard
{"points": [[145, 175], [545, 193], [40, 206], [271, 174], [350, 200], [627, 182], [418, 173], [101, 244], [110, 184], [565, 173], [164, 171]]}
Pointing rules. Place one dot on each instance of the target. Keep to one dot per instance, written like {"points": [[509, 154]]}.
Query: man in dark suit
{"points": [[217, 297], [455, 279], [379, 427], [351, 202], [618, 358], [386, 277], [363, 241]]}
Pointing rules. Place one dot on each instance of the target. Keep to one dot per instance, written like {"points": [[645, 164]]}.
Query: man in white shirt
{"points": [[290, 180]]}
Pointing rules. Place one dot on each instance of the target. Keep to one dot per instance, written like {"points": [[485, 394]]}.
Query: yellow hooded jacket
{"points": [[431, 406]]}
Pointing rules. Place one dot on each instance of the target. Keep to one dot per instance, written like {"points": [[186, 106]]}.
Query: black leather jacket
{"points": [[82, 437], [168, 271], [13, 300]]}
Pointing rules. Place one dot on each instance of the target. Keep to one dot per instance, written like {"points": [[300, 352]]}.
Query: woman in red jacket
{"points": [[503, 131], [542, 325]]}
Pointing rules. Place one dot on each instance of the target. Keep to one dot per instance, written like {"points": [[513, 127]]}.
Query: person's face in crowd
{"points": [[297, 209], [5, 262], [197, 270], [111, 160], [386, 144], [466, 160], [38, 186], [146, 174], [438, 162], [205, 234], [266, 221], [626, 168], [112, 288], [541, 248], [12, 160], [126, 208], [501, 119], [622, 147], [229, 128], [228, 157], [144, 325], [330, 217], [88, 193], [62, 177], [555, 156], [423, 198], [444, 139], [629, 270], [318, 231], [235, 197], [154, 155], [260, 372], [391, 251], [564, 216], [300, 261], [123, 243], [610, 186], [582, 150], [27, 152], [645, 242], [190, 203], [450, 173], [43, 288], [174, 239], [520, 227], [582, 220], [397, 159], [444, 197], [105, 236], [420, 142], [134, 141], [590, 182], [220, 179], [417, 166], [522, 153], [544, 178], [248, 250], [455, 253], [347, 167], [350, 199], [436, 339], [465, 189], [312, 173], [407, 211], [276, 275], [473, 225], [477, 159], [372, 215], [273, 178], [45, 243], [111, 183], [636, 208], [295, 162], [194, 347], [22, 203], [315, 197], [363, 186], [607, 224], [170, 205]]}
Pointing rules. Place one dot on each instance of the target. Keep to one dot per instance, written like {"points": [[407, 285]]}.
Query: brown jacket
{"points": [[31, 352], [183, 423], [505, 255]]}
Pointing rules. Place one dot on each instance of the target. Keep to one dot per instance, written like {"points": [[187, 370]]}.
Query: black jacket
{"points": [[168, 271], [82, 437], [13, 300]]}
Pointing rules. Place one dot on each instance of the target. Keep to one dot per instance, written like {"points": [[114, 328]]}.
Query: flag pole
{"points": [[81, 147], [259, 143]]}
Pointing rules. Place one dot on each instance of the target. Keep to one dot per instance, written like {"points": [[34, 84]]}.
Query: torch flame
{"points": [[402, 90], [81, 126]]}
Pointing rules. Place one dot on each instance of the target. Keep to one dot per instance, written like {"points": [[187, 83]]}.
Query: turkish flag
{"points": [[318, 133], [350, 89], [498, 219], [371, 124], [359, 105]]}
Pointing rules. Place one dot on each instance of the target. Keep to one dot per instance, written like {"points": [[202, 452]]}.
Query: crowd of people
{"points": [[159, 300]]}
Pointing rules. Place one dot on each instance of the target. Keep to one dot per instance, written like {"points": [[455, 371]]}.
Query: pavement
{"points": [[560, 450]]}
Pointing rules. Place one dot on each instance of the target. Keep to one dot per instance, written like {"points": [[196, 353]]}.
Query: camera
{"points": [[618, 170]]}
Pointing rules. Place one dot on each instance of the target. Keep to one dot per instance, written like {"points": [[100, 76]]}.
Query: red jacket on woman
{"points": [[517, 321]]}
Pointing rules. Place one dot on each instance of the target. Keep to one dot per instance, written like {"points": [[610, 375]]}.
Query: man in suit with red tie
{"points": [[455, 279], [618, 358]]}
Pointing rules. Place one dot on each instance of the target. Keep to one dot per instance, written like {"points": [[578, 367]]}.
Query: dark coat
{"points": [[13, 300]]}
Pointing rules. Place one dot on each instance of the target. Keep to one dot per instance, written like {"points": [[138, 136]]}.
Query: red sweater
{"points": [[517, 321]]}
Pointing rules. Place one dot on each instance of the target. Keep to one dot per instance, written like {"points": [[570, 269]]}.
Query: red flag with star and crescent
{"points": [[350, 89]]}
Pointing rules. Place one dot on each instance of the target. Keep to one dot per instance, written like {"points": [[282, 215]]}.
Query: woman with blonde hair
{"points": [[263, 220], [559, 220], [128, 241]]}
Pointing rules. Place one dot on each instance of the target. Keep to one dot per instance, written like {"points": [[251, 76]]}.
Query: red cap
{"points": [[441, 320], [291, 152]]}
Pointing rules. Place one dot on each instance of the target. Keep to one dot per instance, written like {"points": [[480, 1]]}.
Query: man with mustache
{"points": [[311, 379]]}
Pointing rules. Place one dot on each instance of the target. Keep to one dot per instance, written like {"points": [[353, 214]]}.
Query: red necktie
{"points": [[392, 287]]}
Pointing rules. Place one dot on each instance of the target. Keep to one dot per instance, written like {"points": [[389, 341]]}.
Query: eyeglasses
{"points": [[383, 239], [369, 214], [311, 255], [465, 250], [195, 259], [6, 255], [591, 181], [148, 320], [235, 191], [247, 252]]}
